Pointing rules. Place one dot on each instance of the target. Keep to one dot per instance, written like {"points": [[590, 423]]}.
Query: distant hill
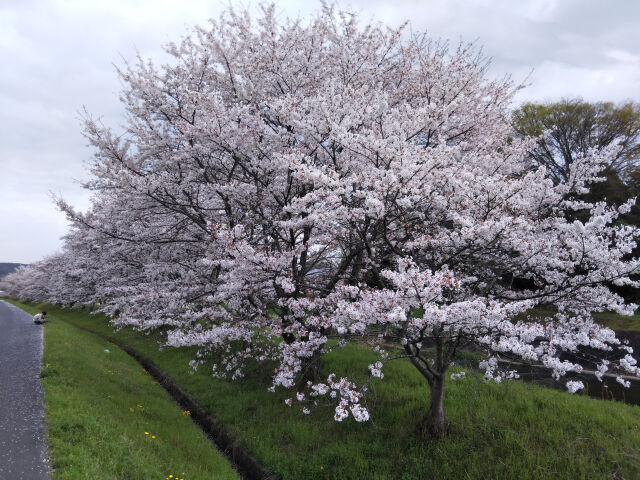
{"points": [[6, 268]]}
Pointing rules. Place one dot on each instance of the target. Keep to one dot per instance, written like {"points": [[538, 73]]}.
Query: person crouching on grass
{"points": [[39, 318]]}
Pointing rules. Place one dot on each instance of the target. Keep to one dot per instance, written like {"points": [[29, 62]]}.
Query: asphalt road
{"points": [[22, 438]]}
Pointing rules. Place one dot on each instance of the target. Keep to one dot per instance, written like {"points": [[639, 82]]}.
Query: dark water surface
{"points": [[608, 389]]}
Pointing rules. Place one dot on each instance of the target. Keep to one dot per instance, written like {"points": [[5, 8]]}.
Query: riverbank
{"points": [[107, 418], [513, 430]]}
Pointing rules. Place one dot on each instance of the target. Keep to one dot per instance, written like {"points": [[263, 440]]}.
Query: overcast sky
{"points": [[58, 56]]}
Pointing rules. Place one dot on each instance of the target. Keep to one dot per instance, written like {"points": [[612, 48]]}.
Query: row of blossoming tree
{"points": [[279, 184]]}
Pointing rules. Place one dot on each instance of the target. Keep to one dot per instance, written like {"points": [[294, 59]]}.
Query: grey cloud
{"points": [[57, 56]]}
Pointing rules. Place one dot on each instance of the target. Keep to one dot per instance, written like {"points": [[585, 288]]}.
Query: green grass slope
{"points": [[619, 322], [498, 431], [107, 418]]}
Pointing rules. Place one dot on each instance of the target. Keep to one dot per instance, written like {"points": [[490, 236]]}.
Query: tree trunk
{"points": [[310, 366], [310, 369], [435, 423]]}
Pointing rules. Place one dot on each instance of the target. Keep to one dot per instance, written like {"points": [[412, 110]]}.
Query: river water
{"points": [[608, 389]]}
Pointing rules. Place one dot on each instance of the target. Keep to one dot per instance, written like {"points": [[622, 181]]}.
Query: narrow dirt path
{"points": [[22, 429]]}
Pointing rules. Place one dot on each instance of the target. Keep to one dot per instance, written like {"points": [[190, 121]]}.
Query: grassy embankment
{"points": [[619, 322], [107, 418], [507, 431]]}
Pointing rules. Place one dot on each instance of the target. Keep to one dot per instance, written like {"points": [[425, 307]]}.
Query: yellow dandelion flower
{"points": [[146, 433], [153, 436]]}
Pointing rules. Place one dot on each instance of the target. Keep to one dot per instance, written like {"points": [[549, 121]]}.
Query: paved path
{"points": [[22, 439]]}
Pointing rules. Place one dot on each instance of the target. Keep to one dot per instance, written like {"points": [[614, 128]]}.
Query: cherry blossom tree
{"points": [[246, 186], [280, 183]]}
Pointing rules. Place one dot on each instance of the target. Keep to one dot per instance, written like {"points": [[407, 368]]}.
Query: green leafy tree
{"points": [[568, 129], [571, 127]]}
